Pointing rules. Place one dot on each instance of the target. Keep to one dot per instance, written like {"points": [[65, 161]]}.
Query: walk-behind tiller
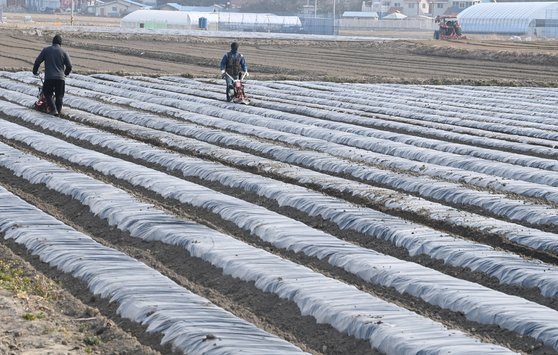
{"points": [[236, 92], [41, 103]]}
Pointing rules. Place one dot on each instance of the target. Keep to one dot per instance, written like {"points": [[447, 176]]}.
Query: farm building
{"points": [[395, 21], [357, 20], [405, 7], [413, 8], [514, 18]]}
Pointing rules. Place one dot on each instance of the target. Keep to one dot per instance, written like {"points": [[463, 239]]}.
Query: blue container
{"points": [[203, 23]]}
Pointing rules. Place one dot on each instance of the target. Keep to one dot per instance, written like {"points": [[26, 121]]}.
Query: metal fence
{"points": [[318, 25], [354, 25], [327, 25], [258, 27]]}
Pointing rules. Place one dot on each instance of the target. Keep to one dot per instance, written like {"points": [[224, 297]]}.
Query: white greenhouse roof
{"points": [[187, 18], [506, 18], [395, 16]]}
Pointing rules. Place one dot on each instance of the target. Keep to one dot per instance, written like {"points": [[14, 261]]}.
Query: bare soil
{"points": [[20, 20], [475, 61]]}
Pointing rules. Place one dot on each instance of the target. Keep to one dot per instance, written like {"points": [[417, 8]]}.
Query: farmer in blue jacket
{"points": [[234, 64]]}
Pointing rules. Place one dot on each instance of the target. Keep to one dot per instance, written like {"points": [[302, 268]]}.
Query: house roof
{"points": [[180, 7], [395, 16], [130, 2], [370, 14]]}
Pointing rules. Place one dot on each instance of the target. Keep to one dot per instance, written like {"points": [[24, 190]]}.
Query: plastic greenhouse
{"points": [[159, 19], [258, 22], [514, 18]]}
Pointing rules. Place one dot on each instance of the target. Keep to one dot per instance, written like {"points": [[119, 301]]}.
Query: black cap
{"points": [[57, 40], [234, 46]]}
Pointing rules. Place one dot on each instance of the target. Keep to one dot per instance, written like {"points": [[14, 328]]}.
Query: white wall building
{"points": [[414, 8]]}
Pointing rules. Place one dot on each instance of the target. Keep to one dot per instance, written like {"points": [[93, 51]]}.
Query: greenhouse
{"points": [[519, 18], [160, 19], [258, 22]]}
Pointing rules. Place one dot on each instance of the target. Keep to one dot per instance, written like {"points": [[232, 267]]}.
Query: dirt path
{"points": [[419, 61]]}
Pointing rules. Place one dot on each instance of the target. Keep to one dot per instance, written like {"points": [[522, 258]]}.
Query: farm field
{"points": [[494, 62], [324, 218]]}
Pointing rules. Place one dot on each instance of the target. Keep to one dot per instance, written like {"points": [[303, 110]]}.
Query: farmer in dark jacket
{"points": [[234, 64], [57, 66]]}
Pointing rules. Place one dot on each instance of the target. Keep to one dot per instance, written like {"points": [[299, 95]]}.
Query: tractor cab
{"points": [[449, 28]]}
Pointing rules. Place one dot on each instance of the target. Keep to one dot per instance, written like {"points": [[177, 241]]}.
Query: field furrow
{"points": [[322, 218]]}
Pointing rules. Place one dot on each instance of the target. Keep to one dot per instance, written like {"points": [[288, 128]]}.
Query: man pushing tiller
{"points": [[57, 66], [233, 70]]}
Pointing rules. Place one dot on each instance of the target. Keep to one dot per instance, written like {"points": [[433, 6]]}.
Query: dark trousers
{"points": [[56, 87]]}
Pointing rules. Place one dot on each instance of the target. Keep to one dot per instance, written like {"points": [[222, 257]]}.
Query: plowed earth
{"points": [[403, 61]]}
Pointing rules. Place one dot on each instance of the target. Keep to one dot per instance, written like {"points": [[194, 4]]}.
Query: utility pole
{"points": [[315, 8], [72, 14], [334, 32]]}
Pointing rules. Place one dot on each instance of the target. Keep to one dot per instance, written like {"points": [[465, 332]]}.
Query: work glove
{"points": [[246, 74], [222, 73], [35, 73]]}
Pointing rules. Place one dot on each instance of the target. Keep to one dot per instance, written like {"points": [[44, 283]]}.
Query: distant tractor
{"points": [[449, 28]]}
